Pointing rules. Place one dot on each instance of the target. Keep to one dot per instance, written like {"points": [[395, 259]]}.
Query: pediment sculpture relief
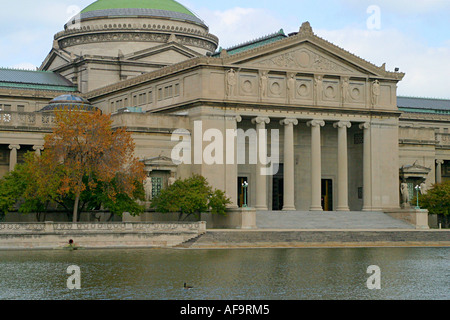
{"points": [[231, 82], [375, 93], [263, 83], [303, 59]]}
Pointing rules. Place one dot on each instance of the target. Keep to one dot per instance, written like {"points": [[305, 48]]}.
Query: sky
{"points": [[413, 35]]}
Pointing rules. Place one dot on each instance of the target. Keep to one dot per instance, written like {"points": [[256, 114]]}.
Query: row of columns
{"points": [[316, 166], [13, 154]]}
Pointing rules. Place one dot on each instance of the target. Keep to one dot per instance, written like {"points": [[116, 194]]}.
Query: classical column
{"points": [[342, 177], [316, 165], [289, 198], [13, 156], [231, 167], [367, 181], [439, 164], [38, 150], [261, 180]]}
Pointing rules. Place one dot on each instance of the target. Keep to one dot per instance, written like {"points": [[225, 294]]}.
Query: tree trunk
{"points": [[75, 208]]}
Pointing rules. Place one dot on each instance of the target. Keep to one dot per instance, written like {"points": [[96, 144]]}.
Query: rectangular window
{"points": [[177, 89], [7, 107], [160, 94], [150, 97], [156, 186], [20, 108], [166, 92], [142, 98]]}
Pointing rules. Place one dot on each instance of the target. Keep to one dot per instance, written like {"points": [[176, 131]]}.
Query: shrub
{"points": [[191, 196]]}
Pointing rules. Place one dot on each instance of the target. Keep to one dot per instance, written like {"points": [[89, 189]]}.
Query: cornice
{"points": [[32, 93], [151, 28], [132, 36], [276, 107], [425, 117]]}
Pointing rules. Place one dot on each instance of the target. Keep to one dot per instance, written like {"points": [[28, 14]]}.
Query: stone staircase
{"points": [[316, 239], [292, 220]]}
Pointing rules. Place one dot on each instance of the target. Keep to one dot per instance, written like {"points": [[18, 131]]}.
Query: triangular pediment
{"points": [[306, 52], [415, 168], [304, 58], [159, 161], [54, 60], [165, 54]]}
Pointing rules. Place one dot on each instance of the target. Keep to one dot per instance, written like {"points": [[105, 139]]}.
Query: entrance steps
{"points": [[328, 220]]}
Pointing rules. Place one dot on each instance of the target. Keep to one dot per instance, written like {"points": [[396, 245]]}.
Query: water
{"points": [[253, 274]]}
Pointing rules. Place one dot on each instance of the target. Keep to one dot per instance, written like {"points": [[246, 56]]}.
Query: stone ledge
{"points": [[324, 238], [416, 217]]}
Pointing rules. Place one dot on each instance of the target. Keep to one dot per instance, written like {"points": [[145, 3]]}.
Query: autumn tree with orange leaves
{"points": [[83, 152]]}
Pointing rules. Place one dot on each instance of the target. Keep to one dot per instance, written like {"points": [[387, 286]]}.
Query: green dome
{"points": [[167, 5], [168, 9]]}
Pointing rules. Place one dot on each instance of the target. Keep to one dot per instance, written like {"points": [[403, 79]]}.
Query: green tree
{"points": [[191, 196], [35, 190], [84, 150], [437, 199], [12, 187]]}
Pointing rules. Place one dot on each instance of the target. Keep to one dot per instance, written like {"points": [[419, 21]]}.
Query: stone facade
{"points": [[96, 51], [343, 142]]}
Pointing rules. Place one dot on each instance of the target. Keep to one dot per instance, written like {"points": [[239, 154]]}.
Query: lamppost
{"points": [[417, 196], [245, 186]]}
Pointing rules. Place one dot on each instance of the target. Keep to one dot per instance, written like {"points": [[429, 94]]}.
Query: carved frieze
{"points": [[304, 59], [134, 37]]}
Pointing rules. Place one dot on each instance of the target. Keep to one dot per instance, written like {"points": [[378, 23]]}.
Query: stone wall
{"points": [[51, 235]]}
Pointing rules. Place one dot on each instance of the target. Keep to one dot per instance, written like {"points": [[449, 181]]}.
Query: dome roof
{"points": [[69, 98], [153, 8], [69, 101]]}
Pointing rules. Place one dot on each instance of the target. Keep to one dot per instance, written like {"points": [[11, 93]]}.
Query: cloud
{"points": [[238, 25], [25, 45], [426, 67], [404, 7], [24, 66], [37, 13]]}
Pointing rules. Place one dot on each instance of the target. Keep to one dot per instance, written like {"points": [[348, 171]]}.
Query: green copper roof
{"points": [[280, 35], [167, 5], [423, 105], [39, 80], [164, 9]]}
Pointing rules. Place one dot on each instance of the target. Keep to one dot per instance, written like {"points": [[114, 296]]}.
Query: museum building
{"points": [[347, 142]]}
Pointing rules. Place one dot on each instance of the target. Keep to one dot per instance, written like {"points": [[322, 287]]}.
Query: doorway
{"points": [[327, 194], [278, 189]]}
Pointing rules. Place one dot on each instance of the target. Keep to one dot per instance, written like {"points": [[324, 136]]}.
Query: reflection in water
{"points": [[253, 274]]}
